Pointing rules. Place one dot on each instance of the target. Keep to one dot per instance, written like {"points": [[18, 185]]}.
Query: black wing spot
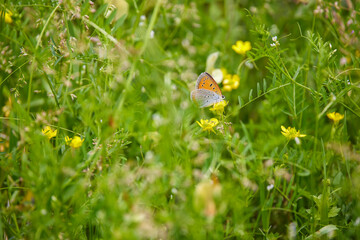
{"points": [[211, 85], [214, 88]]}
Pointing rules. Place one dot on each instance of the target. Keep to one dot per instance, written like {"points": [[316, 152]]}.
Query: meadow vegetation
{"points": [[99, 138]]}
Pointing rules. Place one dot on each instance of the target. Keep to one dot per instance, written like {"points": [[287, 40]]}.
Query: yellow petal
{"points": [[45, 130], [68, 140], [8, 18], [235, 85], [76, 142], [224, 72], [235, 48], [247, 45], [236, 78], [331, 115], [226, 81], [214, 121], [227, 88]]}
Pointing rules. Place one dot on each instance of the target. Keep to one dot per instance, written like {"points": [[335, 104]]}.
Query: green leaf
{"points": [[264, 85], [240, 101], [258, 89], [100, 10], [333, 212], [328, 229], [118, 24], [250, 95], [111, 17]]}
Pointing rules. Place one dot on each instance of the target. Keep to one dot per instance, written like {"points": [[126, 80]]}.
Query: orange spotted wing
{"points": [[206, 81], [207, 91]]}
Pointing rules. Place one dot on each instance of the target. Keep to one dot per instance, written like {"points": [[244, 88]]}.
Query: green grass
{"points": [[120, 76]]}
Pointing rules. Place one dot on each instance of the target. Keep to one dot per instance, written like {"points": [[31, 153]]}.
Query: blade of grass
{"points": [[34, 57]]}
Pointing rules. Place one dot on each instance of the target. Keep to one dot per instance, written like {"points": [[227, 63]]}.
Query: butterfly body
{"points": [[207, 92]]}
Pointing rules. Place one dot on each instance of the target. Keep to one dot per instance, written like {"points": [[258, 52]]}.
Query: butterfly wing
{"points": [[205, 98], [206, 81]]}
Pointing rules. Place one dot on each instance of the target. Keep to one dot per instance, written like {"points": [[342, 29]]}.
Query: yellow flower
{"points": [[207, 125], [75, 142], [47, 131], [7, 16], [218, 108], [224, 71], [241, 47], [336, 117], [68, 140], [291, 133], [231, 82]]}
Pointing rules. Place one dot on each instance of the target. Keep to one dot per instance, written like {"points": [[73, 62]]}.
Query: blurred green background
{"points": [[118, 74]]}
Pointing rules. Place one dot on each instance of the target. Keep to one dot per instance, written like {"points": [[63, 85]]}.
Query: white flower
{"points": [[149, 155], [292, 230], [343, 61], [210, 61], [357, 222], [333, 97], [249, 64], [275, 42], [269, 187], [73, 96], [158, 120], [217, 74]]}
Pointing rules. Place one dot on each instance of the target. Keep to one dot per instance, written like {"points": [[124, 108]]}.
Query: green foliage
{"points": [[118, 74]]}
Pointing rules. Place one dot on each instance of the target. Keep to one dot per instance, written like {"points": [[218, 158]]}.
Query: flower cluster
{"points": [[47, 131], [231, 82], [275, 42], [335, 117], [208, 125], [218, 108], [7, 16], [291, 133], [241, 47], [75, 142]]}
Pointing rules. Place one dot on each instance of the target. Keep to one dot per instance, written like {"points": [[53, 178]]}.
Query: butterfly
{"points": [[207, 92]]}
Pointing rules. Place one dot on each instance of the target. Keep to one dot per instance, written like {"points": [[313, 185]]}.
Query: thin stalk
{"points": [[133, 66], [34, 57]]}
